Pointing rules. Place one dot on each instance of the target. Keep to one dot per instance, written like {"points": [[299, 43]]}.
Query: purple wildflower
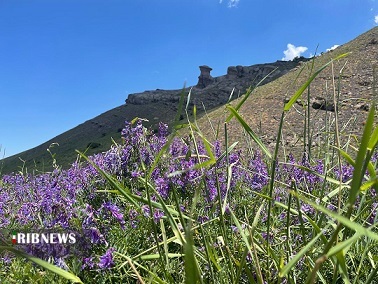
{"points": [[133, 214], [95, 235], [158, 214], [61, 263], [88, 262], [115, 212], [106, 260], [162, 187], [346, 172], [257, 174], [234, 229], [374, 209], [146, 211]]}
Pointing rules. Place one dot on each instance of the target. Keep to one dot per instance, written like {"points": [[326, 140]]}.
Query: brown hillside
{"points": [[350, 78]]}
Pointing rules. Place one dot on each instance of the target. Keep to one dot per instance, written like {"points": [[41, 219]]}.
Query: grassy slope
{"points": [[263, 108], [99, 131]]}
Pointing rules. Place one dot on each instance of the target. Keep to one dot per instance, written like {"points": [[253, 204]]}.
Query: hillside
{"points": [[351, 81], [95, 135]]}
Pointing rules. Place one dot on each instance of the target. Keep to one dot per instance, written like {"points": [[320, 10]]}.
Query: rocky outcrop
{"points": [[204, 79], [214, 91], [259, 71], [154, 96]]}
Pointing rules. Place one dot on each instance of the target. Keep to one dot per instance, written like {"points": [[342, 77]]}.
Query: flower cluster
{"points": [[68, 199]]}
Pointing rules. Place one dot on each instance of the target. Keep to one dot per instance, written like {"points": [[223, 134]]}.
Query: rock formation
{"points": [[214, 91], [204, 79]]}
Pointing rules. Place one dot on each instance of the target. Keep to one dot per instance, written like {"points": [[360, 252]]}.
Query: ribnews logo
{"points": [[43, 238]]}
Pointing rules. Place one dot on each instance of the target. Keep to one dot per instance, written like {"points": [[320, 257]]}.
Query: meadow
{"points": [[167, 208]]}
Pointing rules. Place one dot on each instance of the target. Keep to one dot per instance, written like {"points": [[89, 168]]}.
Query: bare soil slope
{"points": [[350, 80]]}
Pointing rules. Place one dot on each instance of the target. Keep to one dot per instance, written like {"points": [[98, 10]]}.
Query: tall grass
{"points": [[190, 210]]}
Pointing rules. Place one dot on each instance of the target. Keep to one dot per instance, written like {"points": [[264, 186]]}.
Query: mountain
{"points": [[352, 77], [95, 135]]}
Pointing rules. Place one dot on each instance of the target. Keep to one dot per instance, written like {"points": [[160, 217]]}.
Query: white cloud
{"points": [[333, 47], [292, 51], [376, 19], [231, 3]]}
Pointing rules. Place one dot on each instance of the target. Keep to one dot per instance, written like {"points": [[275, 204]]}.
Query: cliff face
{"points": [[215, 91]]}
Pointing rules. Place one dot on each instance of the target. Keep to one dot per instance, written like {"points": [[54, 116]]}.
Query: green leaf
{"points": [[188, 99], [179, 110], [63, 273], [248, 93], [342, 266], [250, 131], [157, 256], [345, 221], [370, 183], [343, 245], [374, 137], [192, 274], [360, 166], [298, 93], [285, 270]]}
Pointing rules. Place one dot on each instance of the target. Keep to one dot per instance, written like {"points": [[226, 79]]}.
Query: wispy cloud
{"points": [[231, 3], [293, 51], [333, 47], [376, 19]]}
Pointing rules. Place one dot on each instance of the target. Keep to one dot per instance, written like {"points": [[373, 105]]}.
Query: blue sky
{"points": [[63, 62]]}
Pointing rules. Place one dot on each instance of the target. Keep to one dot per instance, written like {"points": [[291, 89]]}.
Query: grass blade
{"points": [[250, 131], [298, 93], [363, 231], [248, 93], [58, 271], [286, 269], [360, 165]]}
